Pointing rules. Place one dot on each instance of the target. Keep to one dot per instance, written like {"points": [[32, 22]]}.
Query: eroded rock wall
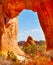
{"points": [[9, 37], [45, 15]]}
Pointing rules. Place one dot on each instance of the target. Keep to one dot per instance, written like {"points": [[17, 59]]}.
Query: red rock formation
{"points": [[44, 8], [29, 41], [45, 14]]}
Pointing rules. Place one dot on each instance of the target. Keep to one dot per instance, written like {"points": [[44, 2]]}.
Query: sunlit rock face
{"points": [[12, 8], [9, 37]]}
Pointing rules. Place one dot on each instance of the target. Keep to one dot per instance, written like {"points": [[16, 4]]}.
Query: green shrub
{"points": [[30, 49], [12, 56]]}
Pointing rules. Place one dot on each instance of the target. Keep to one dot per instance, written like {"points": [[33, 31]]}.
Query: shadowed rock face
{"points": [[8, 24]]}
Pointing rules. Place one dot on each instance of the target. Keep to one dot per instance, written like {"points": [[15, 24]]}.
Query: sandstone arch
{"points": [[12, 8]]}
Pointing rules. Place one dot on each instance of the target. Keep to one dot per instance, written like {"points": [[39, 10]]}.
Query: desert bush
{"points": [[42, 60], [30, 49], [12, 56]]}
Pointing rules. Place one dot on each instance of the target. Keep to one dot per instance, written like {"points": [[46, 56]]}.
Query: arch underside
{"points": [[44, 8]]}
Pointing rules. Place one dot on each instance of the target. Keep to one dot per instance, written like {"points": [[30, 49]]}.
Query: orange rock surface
{"points": [[29, 41], [11, 8]]}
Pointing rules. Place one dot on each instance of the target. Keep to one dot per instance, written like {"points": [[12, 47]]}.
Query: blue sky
{"points": [[29, 25]]}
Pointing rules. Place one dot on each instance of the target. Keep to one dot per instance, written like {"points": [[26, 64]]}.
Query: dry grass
{"points": [[36, 60]]}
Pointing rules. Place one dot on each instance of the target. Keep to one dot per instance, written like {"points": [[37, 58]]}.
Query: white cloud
{"points": [[37, 34]]}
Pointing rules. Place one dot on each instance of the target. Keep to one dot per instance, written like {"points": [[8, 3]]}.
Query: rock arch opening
{"points": [[28, 25]]}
